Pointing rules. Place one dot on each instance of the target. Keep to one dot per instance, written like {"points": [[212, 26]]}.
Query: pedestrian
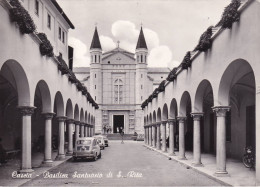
{"points": [[117, 130]]}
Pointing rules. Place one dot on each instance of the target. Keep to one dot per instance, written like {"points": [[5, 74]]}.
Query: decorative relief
{"points": [[221, 110], [26, 110], [48, 115]]}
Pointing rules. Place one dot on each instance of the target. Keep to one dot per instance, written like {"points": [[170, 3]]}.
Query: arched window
{"points": [[137, 58], [95, 58], [118, 91], [141, 58], [99, 58]]}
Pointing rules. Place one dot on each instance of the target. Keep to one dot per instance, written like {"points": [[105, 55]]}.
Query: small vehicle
{"points": [[106, 140], [249, 157], [87, 147], [100, 140]]}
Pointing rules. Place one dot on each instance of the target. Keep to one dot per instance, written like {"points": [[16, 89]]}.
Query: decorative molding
{"points": [[61, 118], [181, 118], [197, 115], [221, 110], [69, 121], [48, 115], [26, 110]]}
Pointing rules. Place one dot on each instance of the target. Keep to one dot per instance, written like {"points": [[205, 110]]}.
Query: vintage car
{"points": [[87, 147], [101, 141], [105, 139]]}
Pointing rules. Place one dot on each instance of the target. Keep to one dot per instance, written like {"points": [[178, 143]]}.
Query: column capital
{"points": [[181, 118], [26, 110], [77, 122], [70, 120], [48, 115], [221, 110], [61, 118], [158, 124], [197, 115], [164, 122], [171, 121]]}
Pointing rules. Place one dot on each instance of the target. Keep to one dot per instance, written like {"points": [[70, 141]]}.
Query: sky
{"points": [[171, 27]]}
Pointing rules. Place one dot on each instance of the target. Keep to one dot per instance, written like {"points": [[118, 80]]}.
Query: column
{"points": [[164, 148], [70, 136], [181, 138], [147, 133], [77, 124], [82, 130], [150, 136], [158, 138], [26, 163], [144, 135], [221, 139], [48, 139], [86, 130], [171, 137], [61, 154], [196, 139], [154, 135]]}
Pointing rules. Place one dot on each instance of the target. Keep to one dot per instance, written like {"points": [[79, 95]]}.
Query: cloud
{"points": [[151, 38], [81, 58], [160, 56], [107, 43], [173, 63]]}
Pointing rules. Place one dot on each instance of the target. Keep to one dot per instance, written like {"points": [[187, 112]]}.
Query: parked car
{"points": [[100, 140], [106, 140], [87, 147]]}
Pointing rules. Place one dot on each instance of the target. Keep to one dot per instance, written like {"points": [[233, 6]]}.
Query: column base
{"points": [[69, 153], [182, 158], [221, 174], [172, 154], [47, 163], [26, 171], [157, 148], [197, 164], [60, 157]]}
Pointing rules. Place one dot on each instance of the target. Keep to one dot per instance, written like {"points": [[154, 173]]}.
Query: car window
{"points": [[94, 142], [84, 142]]}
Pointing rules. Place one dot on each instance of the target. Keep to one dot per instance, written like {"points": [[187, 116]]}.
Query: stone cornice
{"points": [[61, 118], [69, 121]]}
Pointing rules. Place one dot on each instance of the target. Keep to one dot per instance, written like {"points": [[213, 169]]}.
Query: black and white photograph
{"points": [[129, 93]]}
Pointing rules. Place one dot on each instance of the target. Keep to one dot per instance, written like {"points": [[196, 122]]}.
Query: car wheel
{"points": [[99, 156], [95, 157]]}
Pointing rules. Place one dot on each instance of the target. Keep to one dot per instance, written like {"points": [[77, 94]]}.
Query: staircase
{"points": [[119, 137]]}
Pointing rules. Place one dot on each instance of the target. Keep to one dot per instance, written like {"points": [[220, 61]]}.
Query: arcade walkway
{"points": [[239, 175]]}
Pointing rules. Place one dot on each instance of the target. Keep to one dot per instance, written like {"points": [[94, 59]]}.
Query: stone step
{"points": [[117, 136]]}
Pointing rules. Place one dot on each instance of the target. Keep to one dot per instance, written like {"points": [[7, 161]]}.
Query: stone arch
{"points": [[69, 109], [14, 73], [159, 115], [76, 112], [82, 118], [203, 92], [154, 117], [235, 71], [185, 101], [59, 104], [150, 119], [86, 116], [42, 91], [173, 109], [165, 112]]}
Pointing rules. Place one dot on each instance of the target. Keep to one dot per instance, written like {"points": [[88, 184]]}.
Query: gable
{"points": [[118, 58]]}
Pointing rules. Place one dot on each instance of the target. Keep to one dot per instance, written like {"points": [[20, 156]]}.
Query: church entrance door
{"points": [[118, 125]]}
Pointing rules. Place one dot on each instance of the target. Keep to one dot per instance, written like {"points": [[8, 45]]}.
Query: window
{"points": [[141, 75], [49, 21], [141, 58], [59, 33], [95, 75], [138, 58], [95, 98], [141, 98], [63, 37], [118, 91], [145, 59], [95, 58], [99, 58], [95, 86], [37, 7], [141, 87]]}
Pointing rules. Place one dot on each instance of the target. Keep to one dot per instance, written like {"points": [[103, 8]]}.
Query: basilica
{"points": [[119, 82]]}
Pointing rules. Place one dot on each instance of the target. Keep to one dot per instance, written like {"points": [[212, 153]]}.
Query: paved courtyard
{"points": [[128, 164]]}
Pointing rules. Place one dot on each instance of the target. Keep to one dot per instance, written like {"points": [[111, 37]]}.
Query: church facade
{"points": [[119, 81]]}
